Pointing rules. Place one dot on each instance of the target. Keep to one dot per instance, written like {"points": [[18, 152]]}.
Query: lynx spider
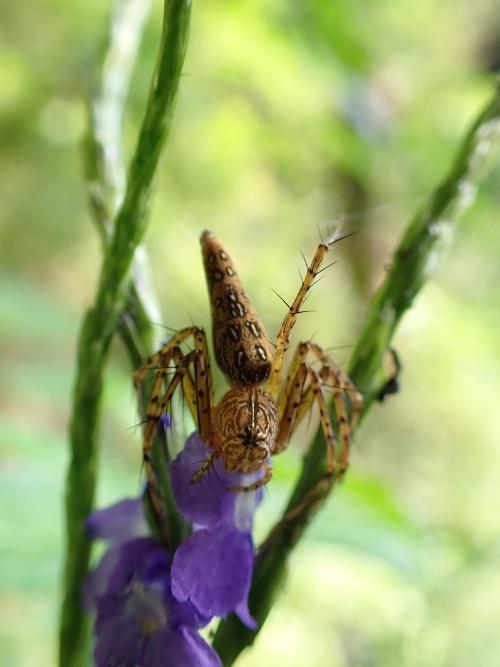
{"points": [[257, 415]]}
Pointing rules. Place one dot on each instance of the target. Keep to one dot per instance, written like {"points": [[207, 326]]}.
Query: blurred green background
{"points": [[292, 115]]}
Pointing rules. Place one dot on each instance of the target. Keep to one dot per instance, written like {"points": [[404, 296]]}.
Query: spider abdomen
{"points": [[241, 344]]}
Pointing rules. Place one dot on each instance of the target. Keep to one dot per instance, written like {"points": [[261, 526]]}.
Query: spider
{"points": [[255, 418]]}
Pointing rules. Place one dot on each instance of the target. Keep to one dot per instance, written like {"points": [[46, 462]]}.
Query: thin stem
{"points": [[102, 318], [105, 168], [105, 178], [104, 162], [414, 262]]}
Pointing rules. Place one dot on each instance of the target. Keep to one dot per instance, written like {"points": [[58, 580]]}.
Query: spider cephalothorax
{"points": [[246, 426], [255, 418]]}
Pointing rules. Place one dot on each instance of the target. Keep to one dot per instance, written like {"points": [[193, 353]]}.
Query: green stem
{"points": [[414, 262], [102, 318], [105, 178], [418, 254], [105, 167]]}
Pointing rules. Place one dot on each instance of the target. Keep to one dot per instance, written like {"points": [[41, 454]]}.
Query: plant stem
{"points": [[414, 262], [102, 318], [105, 178], [105, 168]]}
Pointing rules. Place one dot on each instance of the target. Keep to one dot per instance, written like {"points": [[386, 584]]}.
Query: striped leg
{"points": [[307, 388], [340, 384], [297, 397], [268, 473], [283, 338], [205, 467], [158, 404], [196, 389], [154, 411]]}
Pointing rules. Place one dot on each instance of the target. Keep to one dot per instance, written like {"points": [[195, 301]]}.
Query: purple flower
{"points": [[139, 623], [116, 524], [212, 569], [148, 609]]}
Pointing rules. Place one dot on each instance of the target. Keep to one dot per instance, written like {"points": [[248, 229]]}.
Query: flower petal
{"points": [[243, 613], [246, 504], [118, 637], [182, 648], [184, 613], [118, 522], [97, 581], [212, 569], [165, 420], [207, 501], [143, 559]]}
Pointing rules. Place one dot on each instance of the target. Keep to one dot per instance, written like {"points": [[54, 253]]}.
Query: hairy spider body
{"points": [[256, 417], [247, 423]]}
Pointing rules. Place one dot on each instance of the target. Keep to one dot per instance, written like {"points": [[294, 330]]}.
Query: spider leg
{"points": [[158, 359], [329, 372], [300, 400], [268, 472], [154, 411], [205, 467], [298, 358], [162, 358], [157, 407], [198, 391], [297, 397], [342, 385], [169, 361], [158, 403], [283, 337]]}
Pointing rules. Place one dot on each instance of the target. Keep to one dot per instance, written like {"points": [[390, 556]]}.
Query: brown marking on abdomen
{"points": [[242, 348]]}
